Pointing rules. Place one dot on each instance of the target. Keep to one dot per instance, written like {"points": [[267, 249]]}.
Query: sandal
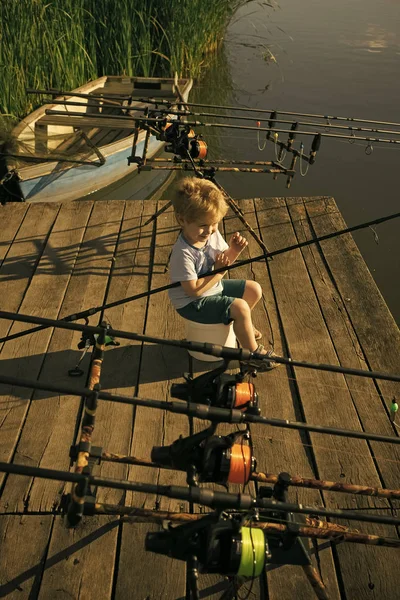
{"points": [[261, 365], [257, 334]]}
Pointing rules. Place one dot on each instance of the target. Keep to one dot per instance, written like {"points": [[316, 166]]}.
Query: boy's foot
{"points": [[257, 334], [261, 365]]}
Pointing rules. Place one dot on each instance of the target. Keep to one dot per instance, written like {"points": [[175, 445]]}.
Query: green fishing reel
{"points": [[87, 340], [220, 544]]}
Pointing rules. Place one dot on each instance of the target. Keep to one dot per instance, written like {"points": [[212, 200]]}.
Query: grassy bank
{"points": [[64, 43]]}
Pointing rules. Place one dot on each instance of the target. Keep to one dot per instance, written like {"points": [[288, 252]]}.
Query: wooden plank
{"points": [[12, 216], [278, 451], [24, 356], [23, 541], [23, 255], [114, 422], [160, 366], [326, 400], [346, 335], [380, 341], [50, 424], [87, 122], [80, 562]]}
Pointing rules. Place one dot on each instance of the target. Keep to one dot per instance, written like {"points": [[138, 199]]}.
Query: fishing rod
{"points": [[313, 528], [272, 110], [82, 457], [276, 170], [210, 456], [162, 101], [240, 354], [197, 495], [166, 120], [272, 118], [91, 311], [98, 96], [214, 161], [203, 411], [272, 478]]}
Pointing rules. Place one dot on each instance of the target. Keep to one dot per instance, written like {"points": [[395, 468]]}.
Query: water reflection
{"points": [[376, 39]]}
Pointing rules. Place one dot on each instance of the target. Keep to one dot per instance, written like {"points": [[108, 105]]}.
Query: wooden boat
{"points": [[65, 157]]}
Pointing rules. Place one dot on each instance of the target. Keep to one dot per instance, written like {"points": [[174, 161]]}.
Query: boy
{"points": [[199, 207]]}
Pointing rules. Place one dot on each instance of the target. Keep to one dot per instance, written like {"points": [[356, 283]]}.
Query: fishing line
{"points": [[261, 148], [280, 157], [239, 469], [253, 552], [246, 523], [303, 173], [244, 393]]}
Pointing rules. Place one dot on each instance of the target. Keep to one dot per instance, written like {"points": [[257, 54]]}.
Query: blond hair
{"points": [[196, 198]]}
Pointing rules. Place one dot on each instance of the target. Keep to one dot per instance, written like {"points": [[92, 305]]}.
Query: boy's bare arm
{"points": [[237, 244], [197, 287]]}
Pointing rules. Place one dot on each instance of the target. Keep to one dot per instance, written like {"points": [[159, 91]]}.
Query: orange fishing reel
{"points": [[219, 389], [210, 458], [183, 141]]}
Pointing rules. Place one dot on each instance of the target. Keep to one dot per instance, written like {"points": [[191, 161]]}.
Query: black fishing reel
{"points": [[219, 543], [208, 457], [219, 389], [182, 141]]}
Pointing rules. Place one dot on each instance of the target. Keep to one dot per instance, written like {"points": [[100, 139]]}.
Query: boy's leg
{"points": [[240, 312], [252, 293], [249, 290]]}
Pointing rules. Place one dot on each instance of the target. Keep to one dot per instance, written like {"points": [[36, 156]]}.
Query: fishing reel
{"points": [[213, 458], [87, 340], [183, 142], [222, 544], [219, 543], [219, 389]]}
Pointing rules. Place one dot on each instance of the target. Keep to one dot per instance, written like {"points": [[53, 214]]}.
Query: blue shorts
{"points": [[215, 309]]}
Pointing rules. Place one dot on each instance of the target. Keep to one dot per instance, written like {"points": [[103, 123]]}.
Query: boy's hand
{"points": [[221, 261], [238, 243]]}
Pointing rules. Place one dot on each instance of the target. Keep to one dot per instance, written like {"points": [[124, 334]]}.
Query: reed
{"points": [[64, 43]]}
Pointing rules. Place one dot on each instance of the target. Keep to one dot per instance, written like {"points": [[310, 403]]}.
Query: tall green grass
{"points": [[64, 43]]}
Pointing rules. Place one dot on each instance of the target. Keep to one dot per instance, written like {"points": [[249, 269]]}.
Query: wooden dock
{"points": [[320, 305]]}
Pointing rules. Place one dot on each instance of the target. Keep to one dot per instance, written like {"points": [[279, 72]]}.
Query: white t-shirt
{"points": [[188, 263]]}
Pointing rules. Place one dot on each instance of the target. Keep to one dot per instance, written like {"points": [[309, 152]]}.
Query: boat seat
{"points": [[85, 122]]}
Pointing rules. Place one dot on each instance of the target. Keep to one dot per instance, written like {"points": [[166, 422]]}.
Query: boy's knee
{"points": [[239, 308], [257, 289], [254, 288]]}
